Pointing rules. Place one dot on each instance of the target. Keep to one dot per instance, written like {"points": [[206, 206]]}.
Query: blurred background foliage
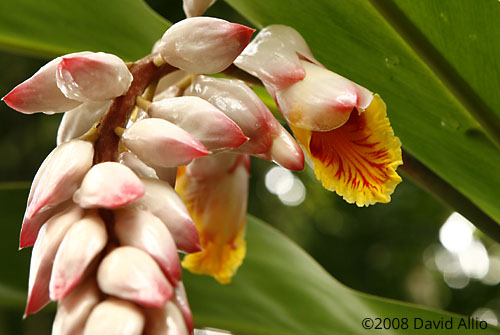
{"points": [[391, 250]]}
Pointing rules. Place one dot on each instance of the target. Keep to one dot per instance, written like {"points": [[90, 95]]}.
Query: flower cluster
{"points": [[152, 158]]}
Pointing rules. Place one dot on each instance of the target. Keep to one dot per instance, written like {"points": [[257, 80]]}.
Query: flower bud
{"points": [[130, 273], [73, 310], [42, 256], [161, 200], [79, 120], [40, 94], [322, 101], [218, 206], [108, 185], [285, 151], [202, 120], [59, 175], [235, 99], [143, 230], [196, 7], [93, 77], [203, 45], [82, 243], [115, 317], [135, 164], [166, 321], [181, 301], [159, 142], [273, 56]]}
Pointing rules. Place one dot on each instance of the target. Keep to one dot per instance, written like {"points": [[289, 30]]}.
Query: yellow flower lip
{"points": [[359, 159]]}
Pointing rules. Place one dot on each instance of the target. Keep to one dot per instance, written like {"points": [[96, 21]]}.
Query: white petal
{"points": [[135, 164], [115, 317], [145, 283], [59, 176], [109, 185], [93, 77], [201, 119], [159, 142], [83, 242], [273, 56], [141, 229], [161, 200], [73, 311], [165, 321], [78, 121], [196, 7], [203, 44]]}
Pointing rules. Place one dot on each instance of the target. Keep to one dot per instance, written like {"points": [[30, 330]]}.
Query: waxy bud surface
{"points": [[115, 317]]}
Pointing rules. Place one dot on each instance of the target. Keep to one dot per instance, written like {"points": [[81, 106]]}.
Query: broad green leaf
{"points": [[127, 28], [430, 109], [282, 290]]}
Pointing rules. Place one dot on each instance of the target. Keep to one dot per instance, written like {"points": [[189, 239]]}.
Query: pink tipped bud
{"points": [[143, 230], [73, 311], [202, 120], [159, 142], [83, 242], [273, 56], [165, 321], [286, 152], [235, 99], [194, 8], [109, 185], [135, 164], [161, 200], [40, 94], [203, 45], [130, 273], [59, 175], [93, 77], [115, 317], [322, 101], [78, 121], [31, 227], [43, 254], [181, 301], [167, 86]]}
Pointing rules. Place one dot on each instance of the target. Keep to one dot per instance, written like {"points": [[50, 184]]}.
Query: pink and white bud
{"points": [[274, 56], [203, 45], [286, 152], [109, 185], [161, 200], [159, 142], [194, 8], [235, 99], [78, 121], [166, 174], [168, 86], [130, 273], [202, 120], [166, 321], [73, 311], [59, 176], [322, 101], [31, 227], [40, 94], [135, 164], [143, 230], [43, 254], [115, 317], [82, 243], [181, 301], [93, 77]]}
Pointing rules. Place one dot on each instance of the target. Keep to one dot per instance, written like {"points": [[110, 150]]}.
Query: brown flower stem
{"points": [[144, 72], [445, 192]]}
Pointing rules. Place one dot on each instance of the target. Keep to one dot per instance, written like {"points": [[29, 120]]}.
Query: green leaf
{"points": [[282, 290], [433, 62], [127, 28]]}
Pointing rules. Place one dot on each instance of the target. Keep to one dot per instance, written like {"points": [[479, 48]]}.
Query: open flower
{"points": [[342, 126], [215, 191]]}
